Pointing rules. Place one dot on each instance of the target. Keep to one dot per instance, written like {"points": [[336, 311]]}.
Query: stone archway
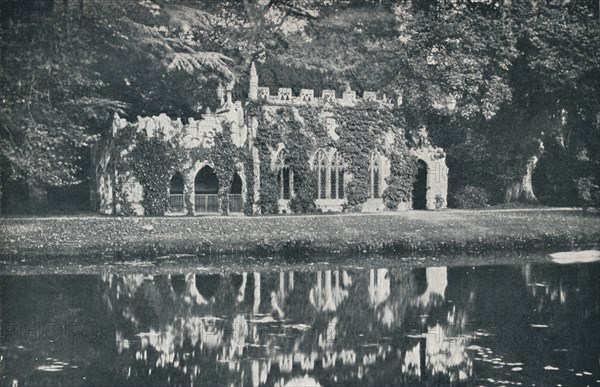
{"points": [[206, 190], [419, 192], [176, 194], [236, 200], [432, 179]]}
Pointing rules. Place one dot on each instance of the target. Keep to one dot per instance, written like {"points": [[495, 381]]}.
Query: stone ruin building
{"points": [[197, 182]]}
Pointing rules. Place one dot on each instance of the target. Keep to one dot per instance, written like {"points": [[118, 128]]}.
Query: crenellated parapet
{"points": [[285, 96]]}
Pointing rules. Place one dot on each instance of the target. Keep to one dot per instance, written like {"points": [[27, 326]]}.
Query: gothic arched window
{"points": [[337, 176], [320, 165], [285, 176]]}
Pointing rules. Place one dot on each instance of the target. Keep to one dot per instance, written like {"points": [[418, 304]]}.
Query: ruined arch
{"points": [[432, 167], [176, 193], [236, 199], [206, 189]]}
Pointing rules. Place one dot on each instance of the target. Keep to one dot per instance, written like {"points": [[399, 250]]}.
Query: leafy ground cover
{"points": [[114, 239]]}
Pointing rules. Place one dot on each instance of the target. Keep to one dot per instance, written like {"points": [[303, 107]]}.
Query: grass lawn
{"points": [[395, 233]]}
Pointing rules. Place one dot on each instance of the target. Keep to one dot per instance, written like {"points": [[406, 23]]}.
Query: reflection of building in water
{"points": [[379, 286], [278, 328], [437, 281], [328, 293], [441, 351]]}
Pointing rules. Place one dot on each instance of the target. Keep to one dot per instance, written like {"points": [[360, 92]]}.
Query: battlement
{"points": [[285, 96]]}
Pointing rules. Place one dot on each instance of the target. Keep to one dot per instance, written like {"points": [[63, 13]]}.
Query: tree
{"points": [[60, 85]]}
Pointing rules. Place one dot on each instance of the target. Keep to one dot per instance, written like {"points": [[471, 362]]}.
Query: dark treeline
{"points": [[509, 89]]}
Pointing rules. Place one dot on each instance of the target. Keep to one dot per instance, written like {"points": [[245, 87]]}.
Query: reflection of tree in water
{"points": [[256, 328], [564, 304]]}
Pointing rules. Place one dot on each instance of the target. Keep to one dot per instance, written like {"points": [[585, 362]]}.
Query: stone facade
{"points": [[200, 134]]}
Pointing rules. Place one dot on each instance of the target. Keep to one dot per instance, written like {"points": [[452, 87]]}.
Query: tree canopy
{"points": [[498, 83]]}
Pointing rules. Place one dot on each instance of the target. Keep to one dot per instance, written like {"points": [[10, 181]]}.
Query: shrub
{"points": [[469, 197], [303, 202], [439, 201], [588, 192]]}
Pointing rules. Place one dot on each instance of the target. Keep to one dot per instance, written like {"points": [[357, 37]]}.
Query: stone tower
{"points": [[253, 89]]}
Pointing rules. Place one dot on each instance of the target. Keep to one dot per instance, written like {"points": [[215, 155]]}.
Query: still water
{"points": [[530, 324]]}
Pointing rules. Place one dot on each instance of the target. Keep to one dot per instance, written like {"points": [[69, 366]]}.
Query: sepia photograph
{"points": [[299, 193]]}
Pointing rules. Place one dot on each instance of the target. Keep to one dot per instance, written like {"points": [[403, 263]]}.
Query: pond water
{"points": [[529, 324]]}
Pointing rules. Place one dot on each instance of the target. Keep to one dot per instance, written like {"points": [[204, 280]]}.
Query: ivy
{"points": [[154, 163], [403, 173], [267, 137], [249, 175], [224, 156], [361, 129]]}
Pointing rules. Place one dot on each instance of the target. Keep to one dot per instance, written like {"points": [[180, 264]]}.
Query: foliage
{"points": [[153, 163], [362, 130], [488, 79], [588, 192], [403, 171], [440, 202], [469, 197], [59, 90], [224, 156]]}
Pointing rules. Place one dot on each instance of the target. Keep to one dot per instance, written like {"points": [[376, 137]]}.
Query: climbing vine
{"points": [[153, 164], [358, 131], [403, 171], [224, 156], [154, 160]]}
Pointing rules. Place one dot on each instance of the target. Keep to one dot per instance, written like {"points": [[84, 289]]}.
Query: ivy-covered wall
{"points": [[354, 132], [140, 158]]}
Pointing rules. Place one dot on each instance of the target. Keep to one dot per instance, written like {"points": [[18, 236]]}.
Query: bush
{"points": [[469, 197], [303, 203], [588, 192], [439, 202]]}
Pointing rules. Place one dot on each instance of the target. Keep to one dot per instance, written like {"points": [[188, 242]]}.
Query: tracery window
{"points": [[285, 176], [320, 165], [337, 176]]}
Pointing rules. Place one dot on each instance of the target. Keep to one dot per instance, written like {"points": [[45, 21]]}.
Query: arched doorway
{"points": [[206, 189], [236, 202], [420, 187], [176, 201]]}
